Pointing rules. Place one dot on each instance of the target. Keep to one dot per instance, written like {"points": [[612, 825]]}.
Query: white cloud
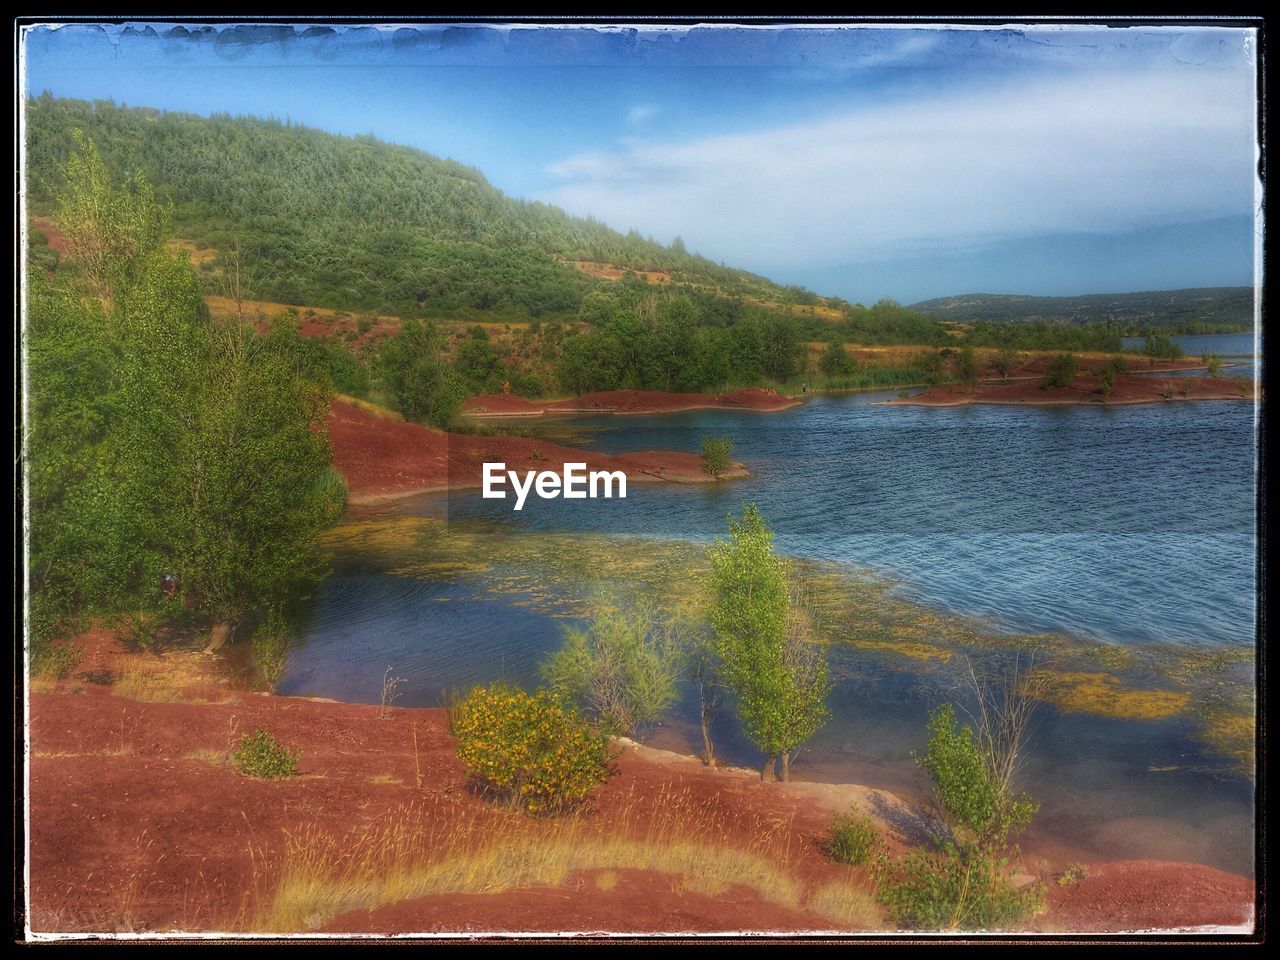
{"points": [[641, 112], [1094, 153]]}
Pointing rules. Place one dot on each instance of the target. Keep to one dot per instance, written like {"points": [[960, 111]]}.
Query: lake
{"points": [[1130, 526]]}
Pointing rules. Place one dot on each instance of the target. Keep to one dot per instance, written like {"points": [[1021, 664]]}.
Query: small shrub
{"points": [[1108, 381], [1212, 363], [1072, 875], [963, 784], [852, 839], [1188, 385], [961, 887], [531, 750], [270, 648], [1060, 371], [1166, 391], [258, 755], [717, 456], [622, 668], [903, 394]]}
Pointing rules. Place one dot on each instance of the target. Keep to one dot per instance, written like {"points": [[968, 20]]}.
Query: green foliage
{"points": [[1060, 372], [161, 442], [957, 888], [622, 667], [1159, 346], [354, 223], [110, 232], [974, 801], [717, 455], [777, 673], [966, 365], [51, 660], [270, 647], [835, 361], [1199, 310], [1107, 380], [1212, 363], [413, 369], [531, 750], [888, 322], [479, 366], [1039, 335], [852, 839], [258, 755]]}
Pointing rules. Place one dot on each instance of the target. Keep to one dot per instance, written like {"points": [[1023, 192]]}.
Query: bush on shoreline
{"points": [[530, 750]]}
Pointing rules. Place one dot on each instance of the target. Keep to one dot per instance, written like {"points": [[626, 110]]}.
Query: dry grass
{"points": [[849, 905], [434, 847], [179, 675], [382, 413]]}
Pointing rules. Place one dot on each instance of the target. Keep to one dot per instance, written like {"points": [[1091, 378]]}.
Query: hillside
{"points": [[1198, 310], [358, 224]]}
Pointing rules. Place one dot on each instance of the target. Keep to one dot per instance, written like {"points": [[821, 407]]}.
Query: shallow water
{"points": [[1127, 525]]}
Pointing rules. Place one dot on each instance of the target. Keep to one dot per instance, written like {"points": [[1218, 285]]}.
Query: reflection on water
{"points": [[1130, 526]]}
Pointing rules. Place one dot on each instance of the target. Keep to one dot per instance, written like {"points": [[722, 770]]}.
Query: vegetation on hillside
{"points": [[162, 448], [1190, 311]]}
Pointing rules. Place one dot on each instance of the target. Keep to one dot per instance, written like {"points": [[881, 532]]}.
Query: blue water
{"points": [[1125, 524], [1234, 348]]}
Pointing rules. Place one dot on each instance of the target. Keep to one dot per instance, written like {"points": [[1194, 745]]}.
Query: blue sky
{"points": [[862, 162]]}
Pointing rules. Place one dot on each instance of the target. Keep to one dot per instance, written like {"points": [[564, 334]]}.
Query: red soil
{"points": [[630, 402], [137, 822], [1128, 389], [1149, 895], [381, 458]]}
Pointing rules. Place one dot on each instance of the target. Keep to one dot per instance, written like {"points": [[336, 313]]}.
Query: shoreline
{"points": [[1129, 389], [382, 459], [363, 764]]}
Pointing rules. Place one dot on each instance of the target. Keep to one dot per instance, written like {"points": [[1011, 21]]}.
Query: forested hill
{"points": [[1197, 310], [355, 223]]}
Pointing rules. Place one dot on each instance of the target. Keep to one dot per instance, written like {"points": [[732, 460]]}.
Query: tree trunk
{"points": [[219, 635], [767, 773], [786, 766], [708, 751]]}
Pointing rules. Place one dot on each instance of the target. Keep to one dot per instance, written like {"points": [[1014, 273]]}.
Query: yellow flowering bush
{"points": [[530, 749]]}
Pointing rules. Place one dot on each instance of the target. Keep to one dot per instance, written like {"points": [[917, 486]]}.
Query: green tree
{"points": [[966, 366], [622, 667], [1060, 372], [835, 360], [777, 673], [717, 456], [110, 231], [1212, 363], [413, 369], [160, 442]]}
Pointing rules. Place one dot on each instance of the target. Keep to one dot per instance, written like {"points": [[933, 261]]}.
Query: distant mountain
{"points": [[1202, 309], [358, 224]]}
